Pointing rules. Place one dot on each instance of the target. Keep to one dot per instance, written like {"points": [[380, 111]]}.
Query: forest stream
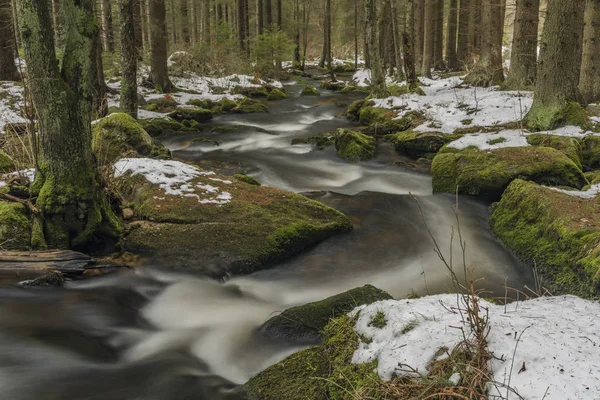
{"points": [[155, 334]]}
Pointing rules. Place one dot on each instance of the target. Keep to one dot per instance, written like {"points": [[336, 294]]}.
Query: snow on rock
{"points": [[559, 343], [362, 78], [28, 174], [174, 177], [592, 192], [449, 105], [11, 102]]}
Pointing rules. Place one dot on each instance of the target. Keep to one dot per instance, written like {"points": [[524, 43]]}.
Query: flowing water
{"points": [[159, 335]]}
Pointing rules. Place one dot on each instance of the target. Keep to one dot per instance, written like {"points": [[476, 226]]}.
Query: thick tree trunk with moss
{"points": [[408, 45], [73, 205], [523, 62], [451, 59], [589, 81], [462, 48], [159, 72], [128, 59], [428, 36], [371, 37], [557, 94], [488, 71], [8, 69], [419, 23], [107, 26]]}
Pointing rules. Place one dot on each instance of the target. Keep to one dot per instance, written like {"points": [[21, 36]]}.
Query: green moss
{"points": [[246, 106], [310, 90], [247, 179], [118, 134], [162, 126], [369, 115], [556, 232], [419, 144], [541, 118], [7, 164], [322, 140], [353, 88], [276, 94], [304, 324], [353, 110], [488, 173], [189, 114], [256, 92], [496, 141], [15, 227], [332, 85], [379, 321], [593, 177], [321, 372], [591, 151], [571, 147], [354, 146]]}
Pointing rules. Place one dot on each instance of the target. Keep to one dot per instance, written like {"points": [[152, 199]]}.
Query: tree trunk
{"points": [[206, 34], [260, 16], [138, 25], [371, 32], [419, 23], [241, 34], [159, 73], [523, 62], [590, 65], [451, 58], [428, 36], [58, 23], [107, 26], [279, 15], [556, 89], [184, 20], [268, 13], [408, 46], [172, 29], [473, 32], [397, 41], [8, 69], [438, 36], [306, 21], [297, 34], [326, 35], [99, 99], [488, 71], [128, 59], [74, 208], [462, 50]]}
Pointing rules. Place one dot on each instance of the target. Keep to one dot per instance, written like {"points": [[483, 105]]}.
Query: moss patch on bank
{"points": [[571, 147], [558, 233], [15, 227], [419, 144]]}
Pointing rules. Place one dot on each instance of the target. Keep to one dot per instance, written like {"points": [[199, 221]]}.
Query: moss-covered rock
{"points": [[419, 144], [591, 151], [7, 164], [556, 232], [276, 94], [118, 134], [246, 106], [571, 147], [332, 85], [551, 117], [304, 324], [191, 114], [258, 227], [354, 146], [322, 140], [252, 91], [391, 126], [15, 226], [310, 90], [162, 126], [488, 173], [593, 177], [321, 372], [247, 179], [164, 103]]}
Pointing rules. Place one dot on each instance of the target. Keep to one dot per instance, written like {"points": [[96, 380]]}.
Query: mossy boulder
{"points": [[321, 372], [276, 94], [247, 179], [322, 140], [353, 110], [354, 146], [391, 125], [118, 134], [191, 114], [304, 324], [252, 91], [246, 106], [7, 164], [591, 151], [162, 126], [557, 233], [593, 177], [419, 144], [310, 90], [550, 117], [488, 173], [571, 147], [15, 226], [332, 85], [164, 103], [255, 227]]}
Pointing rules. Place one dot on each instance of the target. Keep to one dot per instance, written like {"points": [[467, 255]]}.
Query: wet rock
{"points": [[53, 279], [15, 226], [255, 92], [333, 85], [419, 144], [354, 146], [310, 90], [488, 173], [128, 213], [555, 232], [189, 114], [246, 106], [304, 324], [276, 94], [322, 140], [165, 126], [569, 146]]}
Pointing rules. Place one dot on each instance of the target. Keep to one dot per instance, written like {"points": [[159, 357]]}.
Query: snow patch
{"points": [[592, 192], [559, 343], [11, 103]]}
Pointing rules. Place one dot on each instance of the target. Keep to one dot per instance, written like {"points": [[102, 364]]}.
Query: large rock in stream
{"points": [[193, 219], [304, 324], [556, 232]]}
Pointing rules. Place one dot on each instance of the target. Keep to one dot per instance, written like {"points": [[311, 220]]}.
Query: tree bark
{"points": [[438, 36], [127, 36], [184, 20], [371, 32], [473, 32], [462, 50], [523, 62], [408, 45], [488, 71], [589, 82], [428, 36], [58, 22], [73, 206], [107, 26], [451, 58], [138, 25], [206, 34], [297, 34], [268, 13], [556, 89], [260, 16], [159, 73], [419, 23], [326, 36], [8, 69]]}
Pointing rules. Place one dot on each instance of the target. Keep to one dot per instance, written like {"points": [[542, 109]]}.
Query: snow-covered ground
{"points": [[547, 348], [27, 174], [592, 192], [11, 103], [362, 78], [175, 178]]}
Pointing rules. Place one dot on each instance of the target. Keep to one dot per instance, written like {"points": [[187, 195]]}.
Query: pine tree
{"points": [[428, 28], [589, 82], [462, 50], [408, 45], [159, 73], [127, 38], [371, 37], [107, 26], [419, 24], [8, 69], [451, 58], [523, 63]]}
